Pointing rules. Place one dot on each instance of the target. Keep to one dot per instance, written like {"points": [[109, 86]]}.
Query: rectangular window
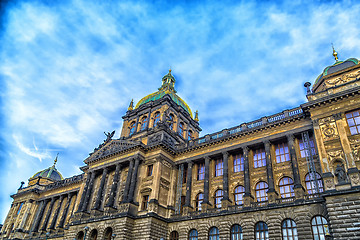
{"points": [[219, 167], [145, 202], [304, 149], [259, 158], [149, 170], [238, 163], [201, 171], [353, 120], [282, 152]]}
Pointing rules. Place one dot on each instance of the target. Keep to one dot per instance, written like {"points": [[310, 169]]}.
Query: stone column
{"points": [[114, 187], [133, 181], [39, 215], [206, 203], [128, 181], [225, 201], [52, 226], [88, 192], [48, 214], [353, 171], [100, 192], [248, 198], [66, 209], [272, 194], [83, 196], [187, 205], [26, 214], [298, 188], [328, 177]]}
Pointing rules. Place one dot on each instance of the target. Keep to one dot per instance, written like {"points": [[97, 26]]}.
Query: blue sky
{"points": [[70, 68]]}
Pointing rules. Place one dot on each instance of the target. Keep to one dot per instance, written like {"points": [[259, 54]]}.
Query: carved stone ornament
{"points": [[328, 130], [329, 183], [343, 78], [335, 155], [355, 179], [355, 147]]}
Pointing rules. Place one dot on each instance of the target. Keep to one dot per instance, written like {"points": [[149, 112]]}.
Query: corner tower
{"points": [[162, 115]]}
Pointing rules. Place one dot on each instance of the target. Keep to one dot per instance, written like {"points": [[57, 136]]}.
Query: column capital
{"points": [[225, 154], [207, 158], [290, 137], [246, 150], [190, 163]]}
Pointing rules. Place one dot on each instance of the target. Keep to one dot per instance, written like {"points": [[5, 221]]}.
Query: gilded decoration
{"points": [[343, 79], [328, 128]]}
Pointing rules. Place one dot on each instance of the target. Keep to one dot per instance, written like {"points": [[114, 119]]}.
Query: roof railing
{"points": [[248, 126]]}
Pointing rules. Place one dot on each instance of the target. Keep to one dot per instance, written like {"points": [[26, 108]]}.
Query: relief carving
{"points": [[333, 155], [329, 183], [355, 179], [343, 79], [355, 147], [328, 130]]}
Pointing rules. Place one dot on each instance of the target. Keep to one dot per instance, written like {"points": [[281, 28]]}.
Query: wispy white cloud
{"points": [[70, 68]]}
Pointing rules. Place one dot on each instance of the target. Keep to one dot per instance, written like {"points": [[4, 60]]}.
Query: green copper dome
{"points": [[167, 87], [50, 172], [337, 66]]}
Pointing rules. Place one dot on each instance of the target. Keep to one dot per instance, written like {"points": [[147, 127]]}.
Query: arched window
{"points": [[198, 201], [286, 186], [143, 123], [80, 235], [132, 128], [289, 231], [190, 135], [217, 199], [174, 235], [319, 227], [171, 121], [108, 233], [193, 234], [93, 234], [261, 231], [156, 118], [261, 191], [236, 232], [239, 193], [214, 233], [181, 129], [310, 183]]}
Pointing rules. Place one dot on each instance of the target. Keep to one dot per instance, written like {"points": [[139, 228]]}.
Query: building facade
{"points": [[291, 175]]}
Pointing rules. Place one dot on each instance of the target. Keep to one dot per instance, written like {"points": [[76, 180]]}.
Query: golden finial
{"points": [[170, 70], [131, 106], [334, 53], [196, 116], [56, 159]]}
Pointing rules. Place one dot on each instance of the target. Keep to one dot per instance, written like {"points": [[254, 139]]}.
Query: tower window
{"points": [[132, 128], [145, 202], [19, 209], [156, 118], [219, 167], [171, 121], [190, 135], [181, 129], [143, 123], [149, 170], [353, 120], [238, 163], [282, 153], [259, 158]]}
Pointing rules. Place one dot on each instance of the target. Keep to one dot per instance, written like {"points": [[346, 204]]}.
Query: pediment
{"points": [[114, 146]]}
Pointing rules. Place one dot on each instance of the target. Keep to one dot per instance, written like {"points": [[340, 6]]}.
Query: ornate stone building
{"points": [[291, 175]]}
